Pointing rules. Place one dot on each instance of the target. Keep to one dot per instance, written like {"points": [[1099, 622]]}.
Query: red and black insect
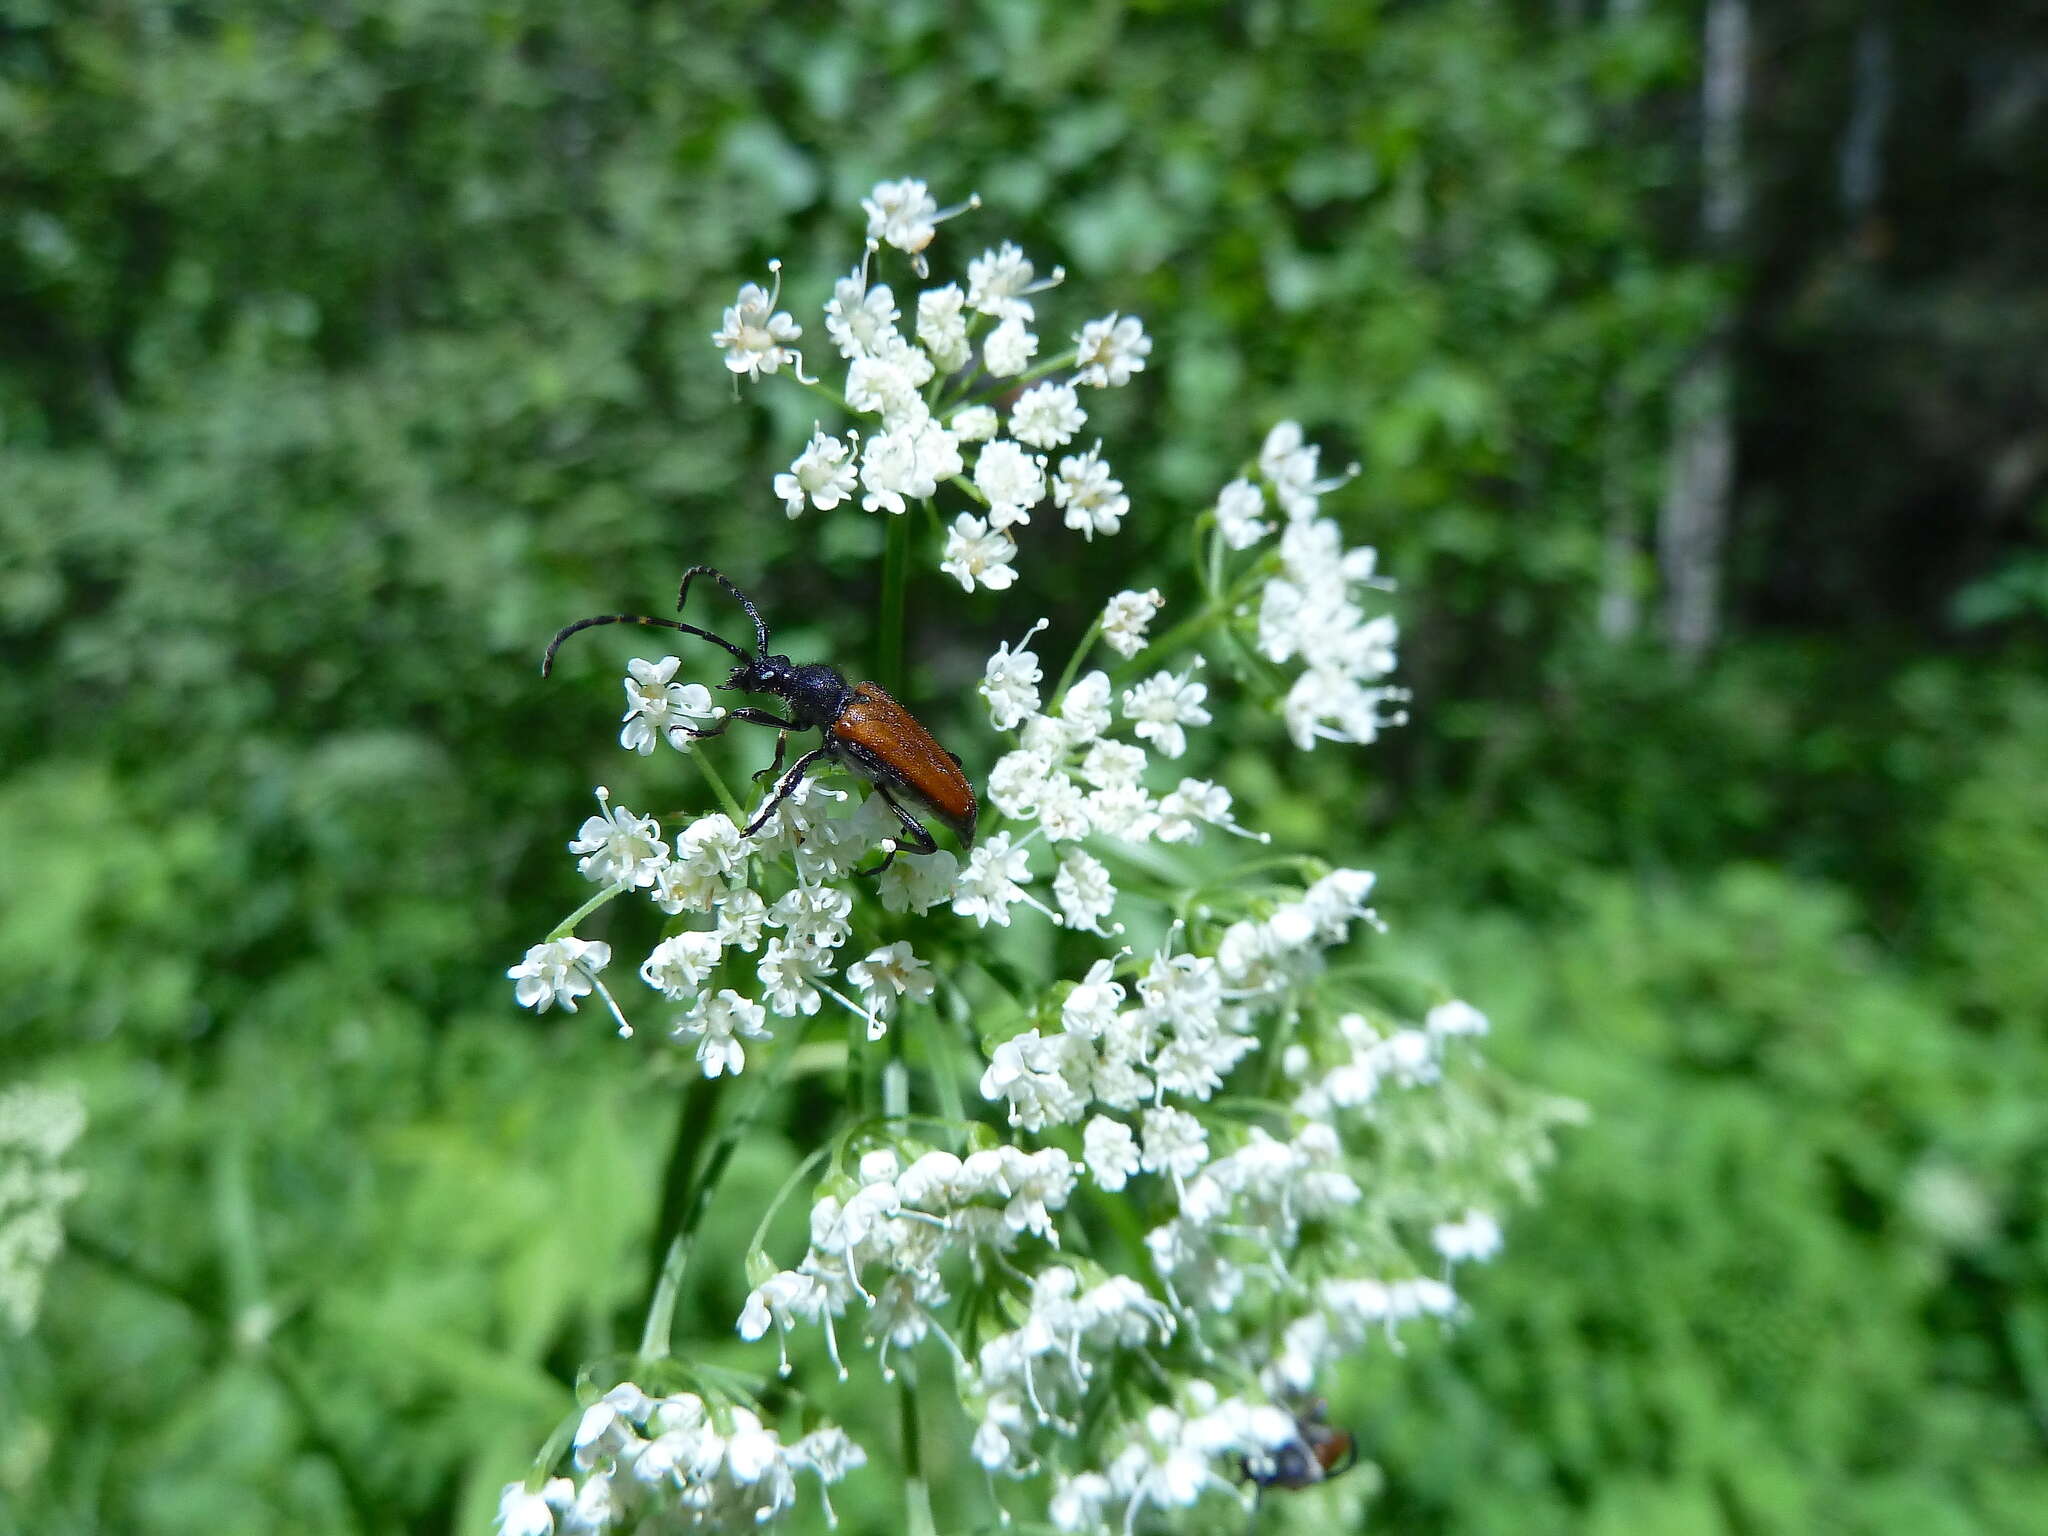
{"points": [[864, 729], [1318, 1452]]}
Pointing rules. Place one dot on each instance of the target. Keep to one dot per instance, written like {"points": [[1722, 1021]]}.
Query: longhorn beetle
{"points": [[863, 727], [1318, 1452]]}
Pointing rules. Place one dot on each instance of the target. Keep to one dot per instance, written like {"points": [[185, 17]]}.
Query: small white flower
{"points": [[918, 883], [718, 1024], [813, 916], [1113, 765], [1090, 1009], [1125, 619], [1474, 1236], [1163, 705], [1289, 465], [757, 337], [976, 554], [993, 881], [1195, 802], [1175, 1143], [860, 320], [1085, 710], [558, 972], [1110, 1151], [942, 327], [903, 214], [1092, 501], [822, 475], [997, 281], [1009, 348], [975, 424], [789, 974], [618, 847], [522, 1512], [1047, 415], [742, 915], [1011, 479], [1108, 351], [1010, 682], [887, 383], [1018, 780], [1455, 1018], [680, 964], [1062, 809], [1083, 890], [1238, 506], [657, 706], [1123, 811], [889, 973]]}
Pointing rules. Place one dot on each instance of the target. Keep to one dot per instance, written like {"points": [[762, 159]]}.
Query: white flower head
{"points": [[1163, 706], [1108, 351], [822, 476], [917, 883], [942, 327], [757, 337], [718, 1025], [1012, 480], [998, 280], [978, 555], [1238, 506], [1090, 500], [657, 705], [993, 881], [890, 973], [558, 972], [619, 848], [1047, 415], [1126, 618], [860, 319], [975, 424], [1083, 890], [1009, 348], [1010, 682], [904, 214], [1110, 1151]]}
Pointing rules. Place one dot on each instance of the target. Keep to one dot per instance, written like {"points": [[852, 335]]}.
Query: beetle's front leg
{"points": [[745, 712]]}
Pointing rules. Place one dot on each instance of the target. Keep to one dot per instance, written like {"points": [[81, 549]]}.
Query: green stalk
{"points": [[917, 1493], [654, 1338], [717, 782], [567, 925], [895, 585]]}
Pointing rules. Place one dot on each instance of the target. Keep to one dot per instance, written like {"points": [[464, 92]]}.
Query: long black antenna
{"points": [[547, 662], [746, 602]]}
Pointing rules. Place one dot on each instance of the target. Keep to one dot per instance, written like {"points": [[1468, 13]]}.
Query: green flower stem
{"points": [[567, 925], [895, 599], [716, 780], [1073, 666], [1216, 611], [693, 1197], [917, 1493]]}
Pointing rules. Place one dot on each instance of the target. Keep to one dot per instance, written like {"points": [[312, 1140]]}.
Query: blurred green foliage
{"points": [[353, 348]]}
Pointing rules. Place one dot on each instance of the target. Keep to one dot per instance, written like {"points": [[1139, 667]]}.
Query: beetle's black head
{"points": [[815, 693]]}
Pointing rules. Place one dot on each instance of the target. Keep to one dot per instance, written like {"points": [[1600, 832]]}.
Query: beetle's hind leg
{"points": [[920, 839]]}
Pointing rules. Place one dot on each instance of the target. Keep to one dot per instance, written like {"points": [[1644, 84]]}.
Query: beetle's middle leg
{"points": [[920, 838]]}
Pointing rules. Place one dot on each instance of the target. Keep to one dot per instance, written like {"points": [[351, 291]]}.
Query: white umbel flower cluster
{"points": [[675, 1463], [934, 379], [1314, 610], [38, 1126]]}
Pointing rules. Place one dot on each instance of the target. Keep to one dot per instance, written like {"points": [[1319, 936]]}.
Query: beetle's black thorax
{"points": [[815, 694]]}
